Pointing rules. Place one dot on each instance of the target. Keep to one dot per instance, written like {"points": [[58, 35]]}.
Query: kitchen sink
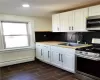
{"points": [[71, 44]]}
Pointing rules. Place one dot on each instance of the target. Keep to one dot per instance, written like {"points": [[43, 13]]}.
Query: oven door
{"points": [[88, 67]]}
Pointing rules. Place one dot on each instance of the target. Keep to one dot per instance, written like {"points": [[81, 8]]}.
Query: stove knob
{"points": [[86, 53], [80, 51], [97, 55]]}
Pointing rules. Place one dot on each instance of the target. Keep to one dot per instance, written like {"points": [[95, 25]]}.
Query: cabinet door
{"points": [[94, 10], [64, 22], [46, 53], [71, 20], [55, 23], [56, 56], [39, 51], [69, 60], [80, 17], [56, 59]]}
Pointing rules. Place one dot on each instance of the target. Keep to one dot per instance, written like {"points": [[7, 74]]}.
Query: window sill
{"points": [[18, 49]]}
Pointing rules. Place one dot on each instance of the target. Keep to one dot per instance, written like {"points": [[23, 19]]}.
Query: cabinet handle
{"points": [[62, 57], [59, 56], [72, 27], [41, 52], [48, 54]]}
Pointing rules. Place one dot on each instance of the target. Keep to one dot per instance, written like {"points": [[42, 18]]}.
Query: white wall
{"points": [[43, 24], [10, 57], [39, 23]]}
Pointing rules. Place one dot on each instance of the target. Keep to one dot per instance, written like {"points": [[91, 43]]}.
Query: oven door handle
{"points": [[86, 57]]}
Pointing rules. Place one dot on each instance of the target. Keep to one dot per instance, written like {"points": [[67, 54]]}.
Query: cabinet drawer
{"points": [[46, 47], [68, 50], [39, 44], [55, 48]]}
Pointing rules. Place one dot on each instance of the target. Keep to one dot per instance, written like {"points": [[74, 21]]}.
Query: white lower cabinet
{"points": [[63, 58], [69, 59], [56, 56], [39, 51], [46, 53], [43, 52]]}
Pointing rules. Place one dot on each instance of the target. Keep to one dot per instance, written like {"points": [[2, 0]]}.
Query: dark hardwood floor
{"points": [[35, 71]]}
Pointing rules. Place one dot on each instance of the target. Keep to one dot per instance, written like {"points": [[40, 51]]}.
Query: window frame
{"points": [[3, 36]]}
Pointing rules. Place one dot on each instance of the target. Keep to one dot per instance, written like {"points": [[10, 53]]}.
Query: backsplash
{"points": [[66, 36], [43, 36], [87, 36], [74, 37], [50, 36]]}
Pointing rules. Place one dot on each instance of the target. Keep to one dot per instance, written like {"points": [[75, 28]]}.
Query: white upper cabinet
{"points": [[94, 10], [56, 23], [64, 22], [80, 17], [71, 20]]}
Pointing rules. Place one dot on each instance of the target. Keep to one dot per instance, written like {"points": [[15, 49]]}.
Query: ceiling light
{"points": [[26, 5]]}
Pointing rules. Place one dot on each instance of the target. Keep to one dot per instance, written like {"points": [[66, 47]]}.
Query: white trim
{"points": [[2, 39], [12, 62], [30, 29], [94, 28], [16, 49], [28, 38]]}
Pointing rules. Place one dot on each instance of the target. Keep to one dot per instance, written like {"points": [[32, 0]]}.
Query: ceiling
{"points": [[43, 8]]}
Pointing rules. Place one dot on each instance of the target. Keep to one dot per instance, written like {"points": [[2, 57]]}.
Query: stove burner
{"points": [[94, 49], [87, 49]]}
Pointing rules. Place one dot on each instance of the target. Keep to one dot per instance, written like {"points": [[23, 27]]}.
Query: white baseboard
{"points": [[12, 62]]}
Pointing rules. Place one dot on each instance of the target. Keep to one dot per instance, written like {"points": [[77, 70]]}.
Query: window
{"points": [[15, 34]]}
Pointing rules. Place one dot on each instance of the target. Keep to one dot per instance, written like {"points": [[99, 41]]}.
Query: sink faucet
{"points": [[72, 36], [78, 41]]}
